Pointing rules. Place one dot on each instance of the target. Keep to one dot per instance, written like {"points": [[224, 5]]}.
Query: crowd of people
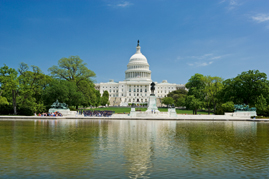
{"points": [[98, 113], [52, 114]]}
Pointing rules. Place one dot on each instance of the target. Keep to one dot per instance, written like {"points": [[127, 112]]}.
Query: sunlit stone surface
{"points": [[133, 149]]}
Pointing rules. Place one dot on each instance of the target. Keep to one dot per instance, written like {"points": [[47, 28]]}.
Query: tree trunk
{"points": [[14, 102], [77, 107], [195, 111]]}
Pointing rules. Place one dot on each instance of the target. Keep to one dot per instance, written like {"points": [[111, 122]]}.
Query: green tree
{"points": [[212, 86], [228, 106], [261, 105], [98, 98], [64, 91], [31, 85], [105, 98], [193, 103], [178, 96], [74, 70], [245, 88], [167, 101], [3, 101], [196, 86], [9, 83]]}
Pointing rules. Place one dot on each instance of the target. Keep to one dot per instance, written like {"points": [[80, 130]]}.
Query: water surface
{"points": [[133, 149]]}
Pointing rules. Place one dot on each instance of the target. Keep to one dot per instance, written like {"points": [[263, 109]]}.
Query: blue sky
{"points": [[178, 37]]}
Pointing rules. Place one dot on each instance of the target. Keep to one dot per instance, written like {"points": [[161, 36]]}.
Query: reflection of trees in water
{"points": [[211, 143], [53, 147]]}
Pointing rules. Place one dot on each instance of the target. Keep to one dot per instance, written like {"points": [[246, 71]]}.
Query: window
{"points": [[134, 90], [140, 90], [130, 90], [110, 90], [142, 100], [129, 94], [137, 94], [146, 100], [129, 100], [121, 94], [145, 90], [137, 90]]}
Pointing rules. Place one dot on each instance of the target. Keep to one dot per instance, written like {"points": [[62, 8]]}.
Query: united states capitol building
{"points": [[136, 86]]}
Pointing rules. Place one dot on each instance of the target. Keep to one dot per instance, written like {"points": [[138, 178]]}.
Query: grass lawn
{"points": [[127, 110]]}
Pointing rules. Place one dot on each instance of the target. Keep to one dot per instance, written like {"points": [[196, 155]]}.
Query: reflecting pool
{"points": [[133, 149]]}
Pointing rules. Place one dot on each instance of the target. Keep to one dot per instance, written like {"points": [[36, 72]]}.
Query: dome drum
{"points": [[138, 67]]}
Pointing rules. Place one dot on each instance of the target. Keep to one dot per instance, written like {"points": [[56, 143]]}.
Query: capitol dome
{"points": [[138, 56], [138, 67]]}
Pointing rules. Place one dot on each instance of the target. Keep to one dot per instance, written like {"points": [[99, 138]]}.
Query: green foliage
{"points": [[25, 111], [193, 103], [168, 100], [261, 105], [105, 98], [3, 101], [212, 87], [245, 88], [72, 69], [228, 106], [9, 83], [178, 96], [196, 86], [6, 109]]}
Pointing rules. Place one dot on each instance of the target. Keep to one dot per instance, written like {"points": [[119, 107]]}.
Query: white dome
{"points": [[138, 56], [138, 67]]}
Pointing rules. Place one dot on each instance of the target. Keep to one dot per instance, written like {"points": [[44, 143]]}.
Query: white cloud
{"points": [[202, 60], [124, 4], [261, 18], [216, 57], [121, 4], [231, 3], [200, 64]]}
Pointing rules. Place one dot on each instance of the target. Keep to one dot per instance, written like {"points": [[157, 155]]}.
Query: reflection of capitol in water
{"points": [[151, 149], [137, 141]]}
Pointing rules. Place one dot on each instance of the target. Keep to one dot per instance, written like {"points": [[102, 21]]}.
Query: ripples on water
{"points": [[133, 149]]}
